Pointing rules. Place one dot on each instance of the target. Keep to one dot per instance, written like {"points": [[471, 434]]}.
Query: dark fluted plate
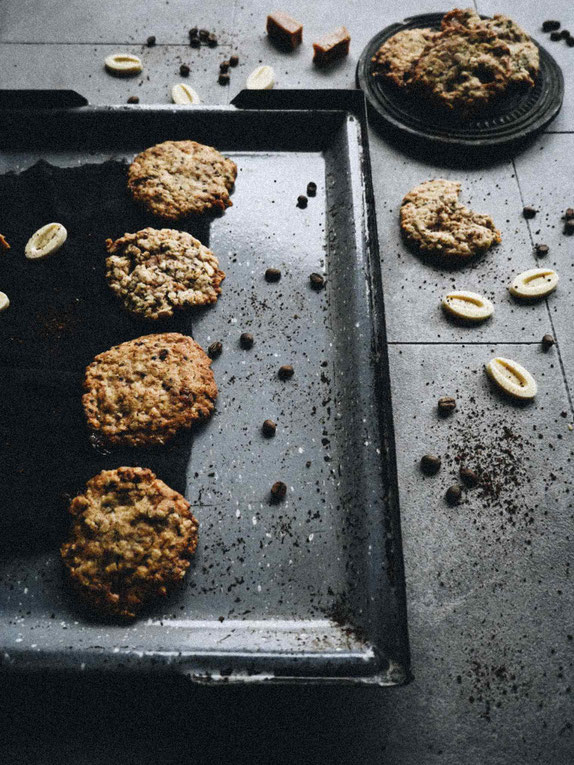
{"points": [[512, 119]]}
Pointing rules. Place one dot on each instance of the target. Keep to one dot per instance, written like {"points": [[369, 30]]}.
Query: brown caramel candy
{"points": [[331, 47], [284, 30]]}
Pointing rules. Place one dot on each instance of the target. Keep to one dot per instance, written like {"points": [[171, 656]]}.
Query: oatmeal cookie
{"points": [[154, 272], [131, 538], [175, 179], [436, 223], [395, 58], [142, 392]]}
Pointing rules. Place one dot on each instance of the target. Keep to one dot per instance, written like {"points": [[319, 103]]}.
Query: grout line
{"points": [[463, 342]]}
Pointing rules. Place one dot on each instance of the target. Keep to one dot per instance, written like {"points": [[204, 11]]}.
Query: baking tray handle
{"points": [[336, 99], [41, 99]]}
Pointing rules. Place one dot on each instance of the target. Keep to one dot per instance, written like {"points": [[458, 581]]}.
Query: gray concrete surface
{"points": [[488, 582]]}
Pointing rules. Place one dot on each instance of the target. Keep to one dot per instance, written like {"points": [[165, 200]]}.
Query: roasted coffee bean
{"points": [[278, 491], [469, 477], [150, 42], [272, 275], [286, 371], [548, 341], [195, 42], [212, 41], [529, 212], [224, 66], [214, 350], [317, 281], [446, 405], [184, 70], [223, 78], [204, 35], [246, 340], [453, 494], [570, 42], [311, 189], [269, 427], [564, 34], [133, 100], [430, 464], [233, 60], [193, 32], [555, 36], [302, 201], [542, 249], [550, 25], [569, 227], [569, 213]]}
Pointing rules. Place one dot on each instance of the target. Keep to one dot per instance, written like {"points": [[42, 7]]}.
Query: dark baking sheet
{"points": [[311, 589]]}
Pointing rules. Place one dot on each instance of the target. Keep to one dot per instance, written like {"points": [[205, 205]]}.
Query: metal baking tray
{"points": [[309, 590]]}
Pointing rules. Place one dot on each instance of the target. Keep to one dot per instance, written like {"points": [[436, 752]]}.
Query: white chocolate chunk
{"points": [[183, 94], [467, 305], [535, 283], [262, 78], [124, 64], [46, 241], [512, 377], [4, 301]]}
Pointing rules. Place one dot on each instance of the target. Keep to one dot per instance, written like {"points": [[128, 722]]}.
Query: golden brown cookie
{"points": [[157, 271], [175, 179], [436, 223], [131, 538], [395, 58], [142, 392]]}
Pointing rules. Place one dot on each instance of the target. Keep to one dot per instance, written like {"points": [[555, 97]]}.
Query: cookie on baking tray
{"points": [[175, 179], [158, 271], [436, 223], [131, 538], [395, 58], [144, 391]]}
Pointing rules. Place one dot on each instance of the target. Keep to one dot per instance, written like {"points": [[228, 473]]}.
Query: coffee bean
{"points": [[223, 78], [542, 249], [311, 189], [564, 34], [529, 212], [569, 213], [278, 491], [184, 70], [430, 464], [150, 42], [195, 42], [204, 35], [548, 341], [272, 275], [453, 494], [469, 477], [246, 340], [285, 372], [550, 25], [233, 60], [224, 66], [212, 41], [570, 42], [569, 227], [133, 100], [302, 201], [317, 281], [214, 350], [269, 427], [555, 36], [446, 405], [193, 32]]}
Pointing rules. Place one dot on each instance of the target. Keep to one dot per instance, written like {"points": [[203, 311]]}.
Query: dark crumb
{"points": [[269, 427], [317, 281], [204, 35], [555, 36], [224, 66], [453, 494], [133, 100], [548, 341], [246, 340], [223, 78], [302, 201], [430, 464], [184, 70], [285, 372], [469, 477], [311, 189], [272, 275], [550, 25], [212, 41], [542, 249], [195, 42], [529, 212], [446, 405], [233, 60], [214, 350], [150, 42], [278, 491]]}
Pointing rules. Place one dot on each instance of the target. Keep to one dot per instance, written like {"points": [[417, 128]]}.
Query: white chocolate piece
{"points": [[535, 283], [46, 241], [123, 64], [512, 378], [469, 306], [262, 78], [4, 301], [183, 94]]}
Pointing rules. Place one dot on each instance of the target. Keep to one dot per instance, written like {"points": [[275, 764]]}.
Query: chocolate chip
{"points": [[223, 78], [285, 372], [550, 25], [430, 464], [317, 281], [529, 212], [193, 32], [212, 41], [224, 66], [133, 100], [569, 227], [469, 477], [150, 42], [446, 405], [453, 494], [163, 354], [542, 249], [269, 427], [278, 491], [184, 70], [272, 275], [194, 42], [302, 201], [555, 36], [233, 60], [311, 189], [564, 34], [569, 213], [246, 340], [204, 35], [214, 350], [548, 341]]}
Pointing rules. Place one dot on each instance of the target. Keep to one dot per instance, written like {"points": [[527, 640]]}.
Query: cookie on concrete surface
{"points": [[142, 392], [156, 271], [436, 223], [395, 58], [175, 179], [131, 538]]}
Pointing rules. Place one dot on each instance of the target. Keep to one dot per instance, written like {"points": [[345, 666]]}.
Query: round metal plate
{"points": [[512, 119]]}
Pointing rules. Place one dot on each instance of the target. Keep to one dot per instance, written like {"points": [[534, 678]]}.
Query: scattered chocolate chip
{"points": [[233, 60], [214, 350], [550, 25], [204, 35], [430, 464], [564, 414], [285, 372], [564, 34], [223, 78], [194, 42], [302, 201], [446, 405], [150, 42], [278, 491], [453, 494], [184, 70], [570, 42], [555, 36], [311, 189], [246, 340], [529, 212], [569, 213], [272, 275], [542, 249], [269, 427], [133, 100], [224, 66], [212, 41], [163, 354], [193, 32], [548, 341], [569, 227], [468, 477], [317, 281]]}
